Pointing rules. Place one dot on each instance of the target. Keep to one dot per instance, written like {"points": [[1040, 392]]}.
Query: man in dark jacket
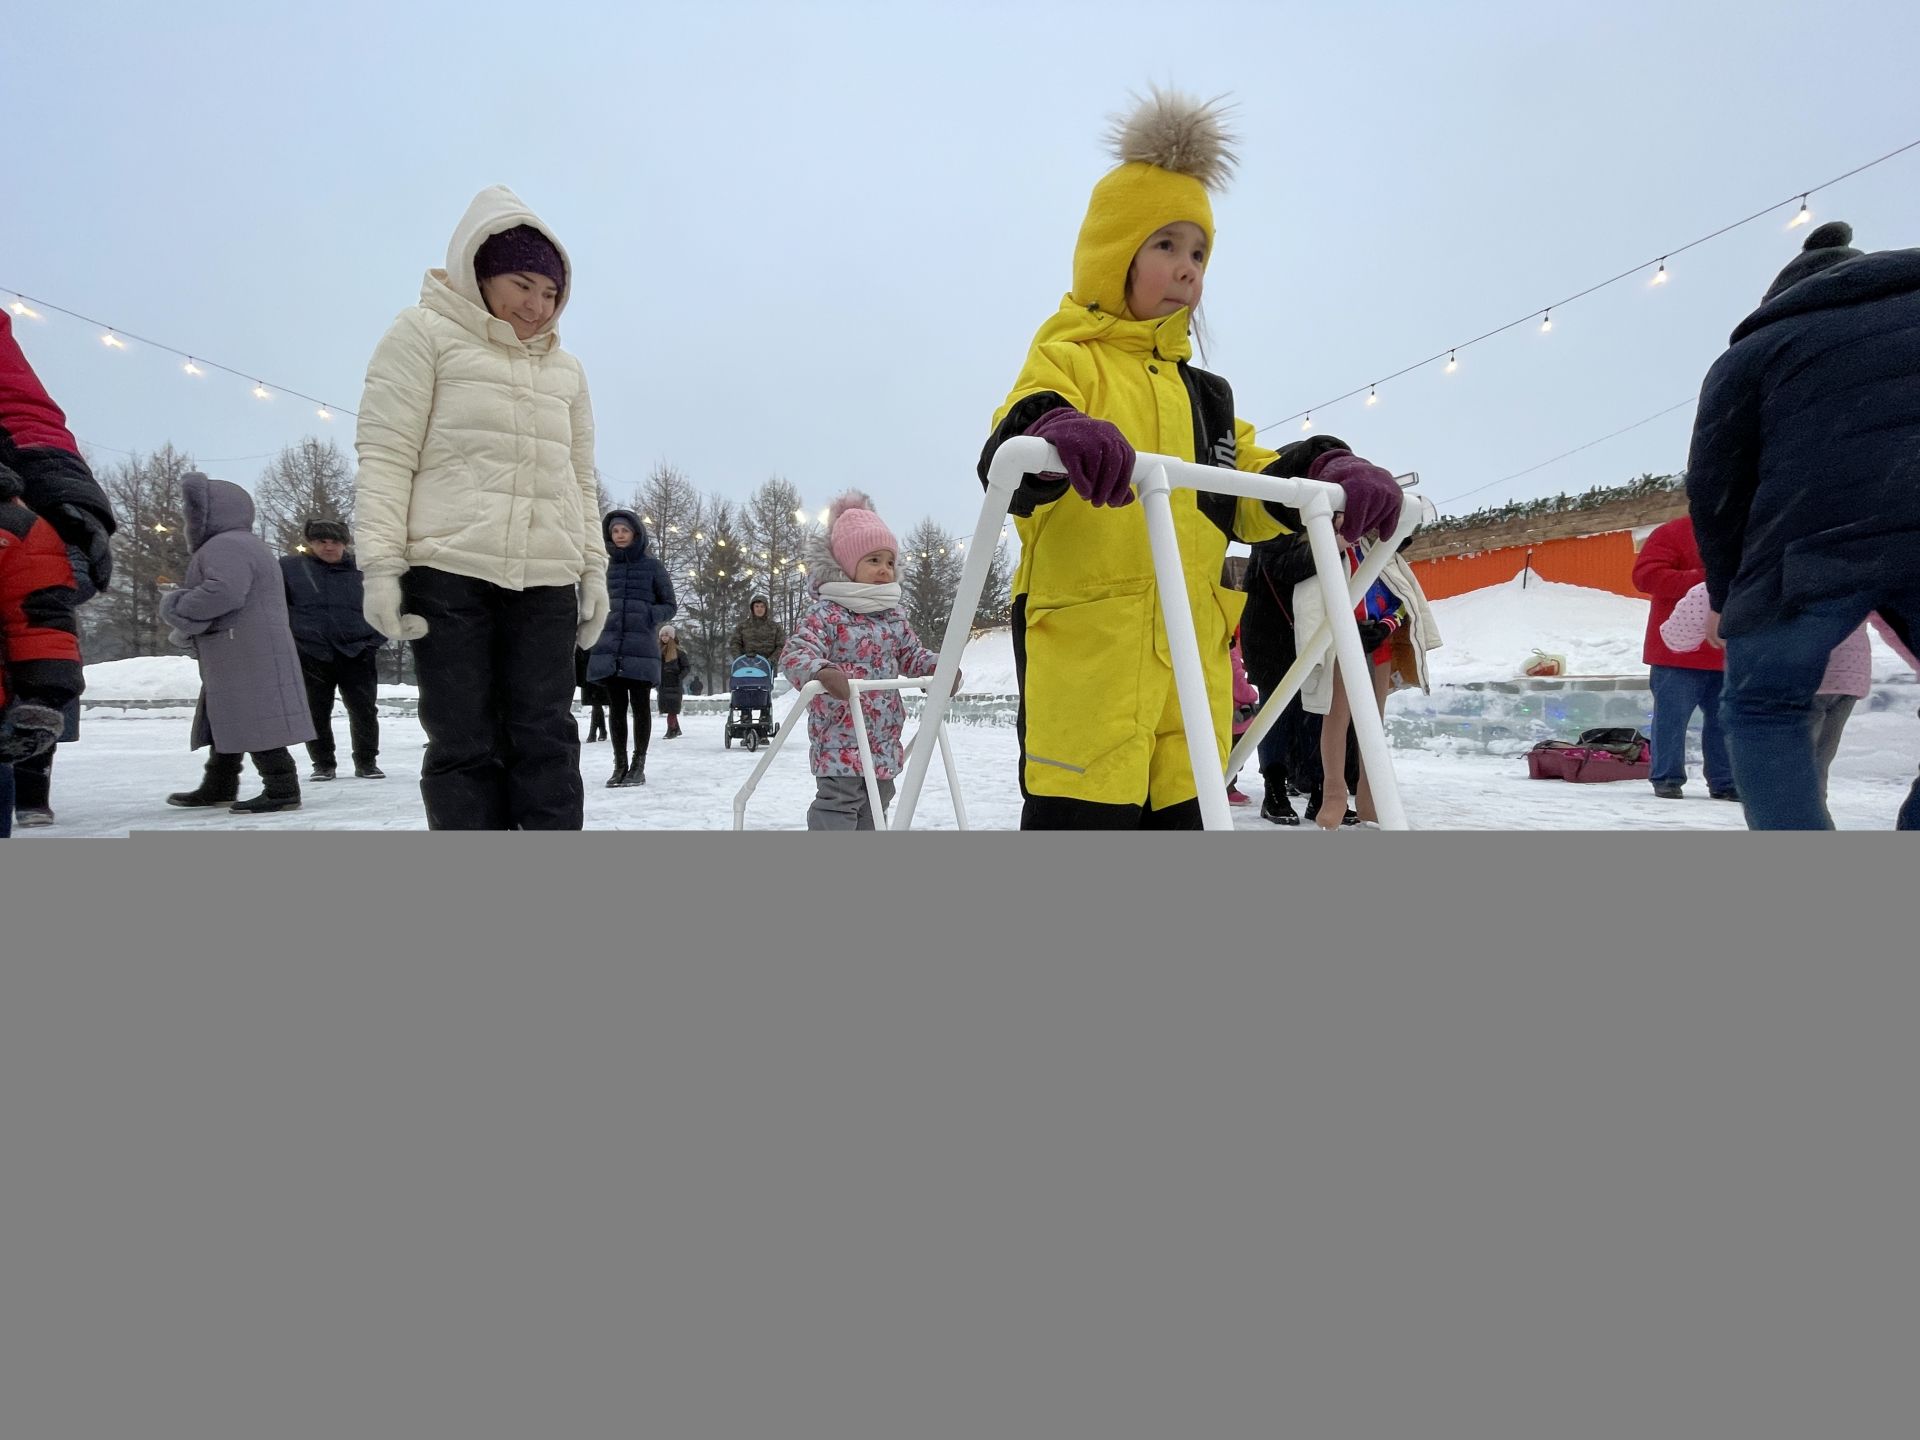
{"points": [[339, 651], [760, 634], [1804, 483]]}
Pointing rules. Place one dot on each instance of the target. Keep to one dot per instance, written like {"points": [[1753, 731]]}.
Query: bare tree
{"points": [[716, 590], [772, 528], [996, 596], [150, 550], [669, 505], [929, 579], [312, 480]]}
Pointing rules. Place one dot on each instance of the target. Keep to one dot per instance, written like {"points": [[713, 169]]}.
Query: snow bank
{"points": [[1490, 634], [145, 677]]}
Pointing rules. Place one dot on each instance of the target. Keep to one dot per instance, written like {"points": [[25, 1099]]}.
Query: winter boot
{"points": [[637, 772], [282, 781], [323, 772], [368, 771], [1275, 808], [219, 786], [33, 817], [619, 776], [673, 727]]}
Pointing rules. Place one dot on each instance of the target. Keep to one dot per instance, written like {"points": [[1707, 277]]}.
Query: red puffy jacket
{"points": [[1669, 566], [39, 651]]}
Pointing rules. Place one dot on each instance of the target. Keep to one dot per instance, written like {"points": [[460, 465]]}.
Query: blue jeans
{"points": [[1768, 706], [1677, 693], [6, 801]]}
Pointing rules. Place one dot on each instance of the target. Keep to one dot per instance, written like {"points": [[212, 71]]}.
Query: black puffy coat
{"points": [[326, 605], [673, 680], [640, 596], [1804, 476]]}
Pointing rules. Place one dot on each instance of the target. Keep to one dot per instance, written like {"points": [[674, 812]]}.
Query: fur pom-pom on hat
{"points": [[1173, 151], [1178, 133], [854, 530]]}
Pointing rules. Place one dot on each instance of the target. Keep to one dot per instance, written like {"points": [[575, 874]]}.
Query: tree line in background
{"points": [[720, 552]]}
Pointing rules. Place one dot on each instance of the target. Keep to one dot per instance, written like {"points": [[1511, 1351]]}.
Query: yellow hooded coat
{"points": [[1100, 714]]}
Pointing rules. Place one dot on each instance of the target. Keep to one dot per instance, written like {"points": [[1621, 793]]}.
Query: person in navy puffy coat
{"points": [[626, 658], [1804, 486]]}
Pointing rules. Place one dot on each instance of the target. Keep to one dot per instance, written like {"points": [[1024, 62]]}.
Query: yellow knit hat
{"points": [[1172, 151]]}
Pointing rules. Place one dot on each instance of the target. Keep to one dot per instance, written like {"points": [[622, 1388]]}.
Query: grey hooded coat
{"points": [[234, 605]]}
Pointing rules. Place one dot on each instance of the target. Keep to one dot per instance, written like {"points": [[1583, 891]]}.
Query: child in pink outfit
{"points": [[1246, 701], [855, 630], [1848, 679]]}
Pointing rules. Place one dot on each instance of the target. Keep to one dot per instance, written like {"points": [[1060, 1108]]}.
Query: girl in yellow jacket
{"points": [[1102, 745], [478, 519]]}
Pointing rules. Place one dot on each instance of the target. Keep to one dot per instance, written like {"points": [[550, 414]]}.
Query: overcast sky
{"points": [[814, 239]]}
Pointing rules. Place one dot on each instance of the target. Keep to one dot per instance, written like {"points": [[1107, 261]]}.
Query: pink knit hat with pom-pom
{"points": [[854, 531]]}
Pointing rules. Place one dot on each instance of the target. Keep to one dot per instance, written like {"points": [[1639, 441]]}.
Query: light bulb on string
{"points": [[1546, 323], [260, 392], [1805, 217], [800, 516], [324, 413], [25, 311], [1453, 362], [1373, 396], [192, 369], [1307, 424], [1660, 275], [113, 341]]}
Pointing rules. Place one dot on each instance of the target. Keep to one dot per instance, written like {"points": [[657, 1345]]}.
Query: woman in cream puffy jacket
{"points": [[477, 514]]}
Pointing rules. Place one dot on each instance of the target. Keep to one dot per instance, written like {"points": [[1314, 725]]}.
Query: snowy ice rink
{"points": [[115, 781]]}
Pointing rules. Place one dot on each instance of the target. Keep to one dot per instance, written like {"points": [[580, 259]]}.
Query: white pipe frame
{"points": [[857, 687], [1154, 478]]}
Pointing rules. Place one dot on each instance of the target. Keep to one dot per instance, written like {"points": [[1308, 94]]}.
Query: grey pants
{"points": [[1830, 714], [840, 802]]}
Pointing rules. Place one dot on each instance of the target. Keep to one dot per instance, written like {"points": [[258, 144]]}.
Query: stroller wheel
{"points": [[729, 739], [753, 741]]}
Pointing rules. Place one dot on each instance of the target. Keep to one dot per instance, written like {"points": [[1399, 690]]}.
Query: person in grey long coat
{"points": [[232, 611]]}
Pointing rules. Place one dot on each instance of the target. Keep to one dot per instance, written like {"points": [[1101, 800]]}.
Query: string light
{"points": [[324, 413], [25, 311], [800, 516], [1660, 275], [1453, 362], [1373, 396], [192, 369], [261, 392], [1546, 323], [1306, 424], [1804, 217], [113, 341]]}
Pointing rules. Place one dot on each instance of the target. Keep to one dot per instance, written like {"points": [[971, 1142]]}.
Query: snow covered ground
{"points": [[116, 779]]}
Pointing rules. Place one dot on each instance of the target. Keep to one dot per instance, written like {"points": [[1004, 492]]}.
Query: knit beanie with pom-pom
{"points": [[854, 531]]}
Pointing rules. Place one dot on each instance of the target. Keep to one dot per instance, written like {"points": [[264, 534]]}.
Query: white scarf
{"points": [[862, 599]]}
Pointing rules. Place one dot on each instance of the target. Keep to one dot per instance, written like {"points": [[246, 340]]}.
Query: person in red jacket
{"points": [[1683, 681], [39, 654]]}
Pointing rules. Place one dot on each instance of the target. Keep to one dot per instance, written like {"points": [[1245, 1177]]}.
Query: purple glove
{"points": [[1373, 499], [1098, 458]]}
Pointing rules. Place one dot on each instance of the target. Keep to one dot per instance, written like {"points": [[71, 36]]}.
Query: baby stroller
{"points": [[752, 682]]}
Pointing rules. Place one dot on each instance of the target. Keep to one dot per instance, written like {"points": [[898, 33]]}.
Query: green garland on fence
{"points": [[1597, 498]]}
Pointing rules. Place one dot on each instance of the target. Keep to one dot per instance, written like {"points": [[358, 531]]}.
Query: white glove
{"points": [[593, 608], [381, 606]]}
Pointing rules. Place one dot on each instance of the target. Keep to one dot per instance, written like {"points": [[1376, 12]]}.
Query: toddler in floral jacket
{"points": [[854, 630]]}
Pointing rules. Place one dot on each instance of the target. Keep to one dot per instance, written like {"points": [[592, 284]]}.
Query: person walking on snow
{"points": [[478, 516], [854, 630], [339, 650], [1108, 373], [231, 611], [626, 659]]}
